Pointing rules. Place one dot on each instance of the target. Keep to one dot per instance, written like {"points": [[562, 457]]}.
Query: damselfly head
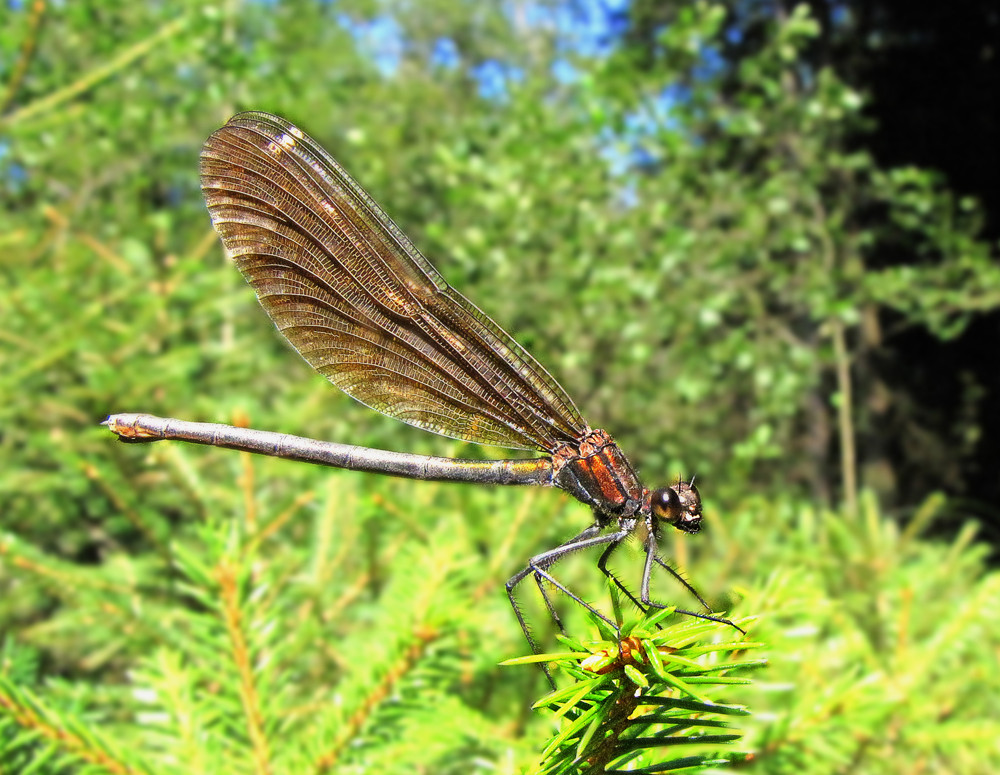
{"points": [[678, 505]]}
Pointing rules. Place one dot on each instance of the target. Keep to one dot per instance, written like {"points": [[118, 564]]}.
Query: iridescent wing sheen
{"points": [[359, 302]]}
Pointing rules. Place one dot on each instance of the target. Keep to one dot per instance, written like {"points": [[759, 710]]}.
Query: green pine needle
{"points": [[633, 701]]}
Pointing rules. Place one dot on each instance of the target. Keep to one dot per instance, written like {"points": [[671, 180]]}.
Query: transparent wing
{"points": [[353, 295]]}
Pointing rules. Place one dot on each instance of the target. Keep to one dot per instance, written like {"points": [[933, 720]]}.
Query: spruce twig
{"points": [[640, 694]]}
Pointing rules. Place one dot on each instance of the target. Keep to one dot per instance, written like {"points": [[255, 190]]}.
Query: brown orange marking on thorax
{"points": [[597, 467]]}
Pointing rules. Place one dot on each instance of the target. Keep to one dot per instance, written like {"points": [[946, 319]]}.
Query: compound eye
{"points": [[665, 505]]}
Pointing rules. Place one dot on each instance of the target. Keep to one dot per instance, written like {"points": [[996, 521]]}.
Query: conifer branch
{"points": [[226, 576], [642, 692], [423, 637], [64, 735]]}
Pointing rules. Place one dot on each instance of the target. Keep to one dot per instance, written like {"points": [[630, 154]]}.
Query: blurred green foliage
{"points": [[691, 256]]}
